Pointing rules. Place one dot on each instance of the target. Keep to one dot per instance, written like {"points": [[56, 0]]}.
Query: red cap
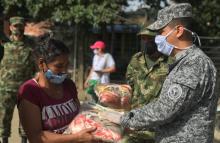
{"points": [[98, 44]]}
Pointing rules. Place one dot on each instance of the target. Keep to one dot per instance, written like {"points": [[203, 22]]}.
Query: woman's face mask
{"points": [[55, 78], [95, 51]]}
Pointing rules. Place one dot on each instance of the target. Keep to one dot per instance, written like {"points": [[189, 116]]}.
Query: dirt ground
{"points": [[16, 139], [15, 136]]}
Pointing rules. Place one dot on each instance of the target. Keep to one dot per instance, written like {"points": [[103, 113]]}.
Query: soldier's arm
{"points": [[176, 98], [129, 76], [131, 69]]}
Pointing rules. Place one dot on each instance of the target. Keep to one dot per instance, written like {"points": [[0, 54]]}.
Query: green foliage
{"points": [[94, 12], [206, 15]]}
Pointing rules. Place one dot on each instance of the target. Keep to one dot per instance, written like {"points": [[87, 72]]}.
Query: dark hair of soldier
{"points": [[185, 22], [48, 48]]}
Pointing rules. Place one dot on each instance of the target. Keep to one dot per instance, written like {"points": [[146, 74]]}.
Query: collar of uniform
{"points": [[180, 56], [157, 62], [18, 43], [183, 52]]}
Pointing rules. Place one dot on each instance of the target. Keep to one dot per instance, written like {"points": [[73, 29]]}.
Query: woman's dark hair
{"points": [[49, 48]]}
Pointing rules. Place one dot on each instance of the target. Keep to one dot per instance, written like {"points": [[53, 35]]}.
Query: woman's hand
{"points": [[86, 84], [85, 136]]}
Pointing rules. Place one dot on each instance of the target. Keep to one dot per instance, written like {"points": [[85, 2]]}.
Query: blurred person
{"points": [[185, 110], [102, 65], [15, 67], [49, 102], [3, 39], [145, 74], [1, 51]]}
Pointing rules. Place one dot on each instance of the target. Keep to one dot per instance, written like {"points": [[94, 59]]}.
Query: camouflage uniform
{"points": [[185, 109], [1, 52], [146, 77], [15, 68], [3, 39]]}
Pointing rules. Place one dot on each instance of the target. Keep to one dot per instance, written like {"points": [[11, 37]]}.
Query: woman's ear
{"points": [[40, 64]]}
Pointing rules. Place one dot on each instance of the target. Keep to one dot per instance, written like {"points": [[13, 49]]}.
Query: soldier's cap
{"points": [[167, 14], [16, 20], [146, 32]]}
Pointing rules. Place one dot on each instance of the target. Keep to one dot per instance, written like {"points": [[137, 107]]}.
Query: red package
{"points": [[114, 95], [86, 120]]}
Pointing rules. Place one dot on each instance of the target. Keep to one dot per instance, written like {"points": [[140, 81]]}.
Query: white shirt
{"points": [[101, 62]]}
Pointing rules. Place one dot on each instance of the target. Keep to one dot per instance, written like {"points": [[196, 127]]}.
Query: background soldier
{"points": [[146, 73], [3, 38], [15, 68], [185, 109]]}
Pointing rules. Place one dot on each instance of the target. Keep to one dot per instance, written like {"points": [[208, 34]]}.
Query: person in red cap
{"points": [[103, 64]]}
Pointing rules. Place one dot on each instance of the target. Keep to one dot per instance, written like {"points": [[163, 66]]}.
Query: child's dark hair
{"points": [[48, 48]]}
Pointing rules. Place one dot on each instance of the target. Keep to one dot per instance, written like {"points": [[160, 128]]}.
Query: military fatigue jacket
{"points": [[146, 78], [17, 65], [185, 109]]}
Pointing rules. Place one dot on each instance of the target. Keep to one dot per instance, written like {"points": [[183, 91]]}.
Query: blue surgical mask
{"points": [[162, 45], [55, 78], [165, 47]]}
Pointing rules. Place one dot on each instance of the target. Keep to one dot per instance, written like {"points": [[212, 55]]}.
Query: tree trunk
{"points": [[80, 80]]}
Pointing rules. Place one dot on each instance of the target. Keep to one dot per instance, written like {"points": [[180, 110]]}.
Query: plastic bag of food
{"points": [[114, 95], [106, 130]]}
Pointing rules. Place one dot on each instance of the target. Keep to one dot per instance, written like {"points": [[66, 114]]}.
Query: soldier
{"points": [[185, 109], [3, 38], [146, 73], [15, 68]]}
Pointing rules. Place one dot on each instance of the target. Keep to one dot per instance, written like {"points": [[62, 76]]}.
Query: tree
{"points": [[81, 14], [206, 15], [92, 12]]}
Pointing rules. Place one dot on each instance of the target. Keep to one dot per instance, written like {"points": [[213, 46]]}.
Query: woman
{"points": [[103, 64], [49, 103]]}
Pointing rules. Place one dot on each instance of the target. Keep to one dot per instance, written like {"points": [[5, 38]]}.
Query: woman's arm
{"points": [[30, 117], [87, 79]]}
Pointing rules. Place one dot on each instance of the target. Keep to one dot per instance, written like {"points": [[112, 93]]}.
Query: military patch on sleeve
{"points": [[175, 91]]}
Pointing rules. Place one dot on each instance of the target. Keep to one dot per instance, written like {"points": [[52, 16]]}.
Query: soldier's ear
{"points": [[11, 27], [40, 64], [180, 30]]}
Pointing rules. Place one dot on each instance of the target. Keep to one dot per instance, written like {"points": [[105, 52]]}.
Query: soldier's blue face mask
{"points": [[162, 45], [55, 78], [166, 48]]}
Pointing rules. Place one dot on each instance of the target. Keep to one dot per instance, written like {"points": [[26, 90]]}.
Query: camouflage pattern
{"points": [[1, 52], [167, 14], [15, 68], [147, 32], [185, 109], [16, 20], [146, 78], [3, 38]]}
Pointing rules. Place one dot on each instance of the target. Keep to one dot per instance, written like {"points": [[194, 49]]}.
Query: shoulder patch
{"points": [[175, 91]]}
